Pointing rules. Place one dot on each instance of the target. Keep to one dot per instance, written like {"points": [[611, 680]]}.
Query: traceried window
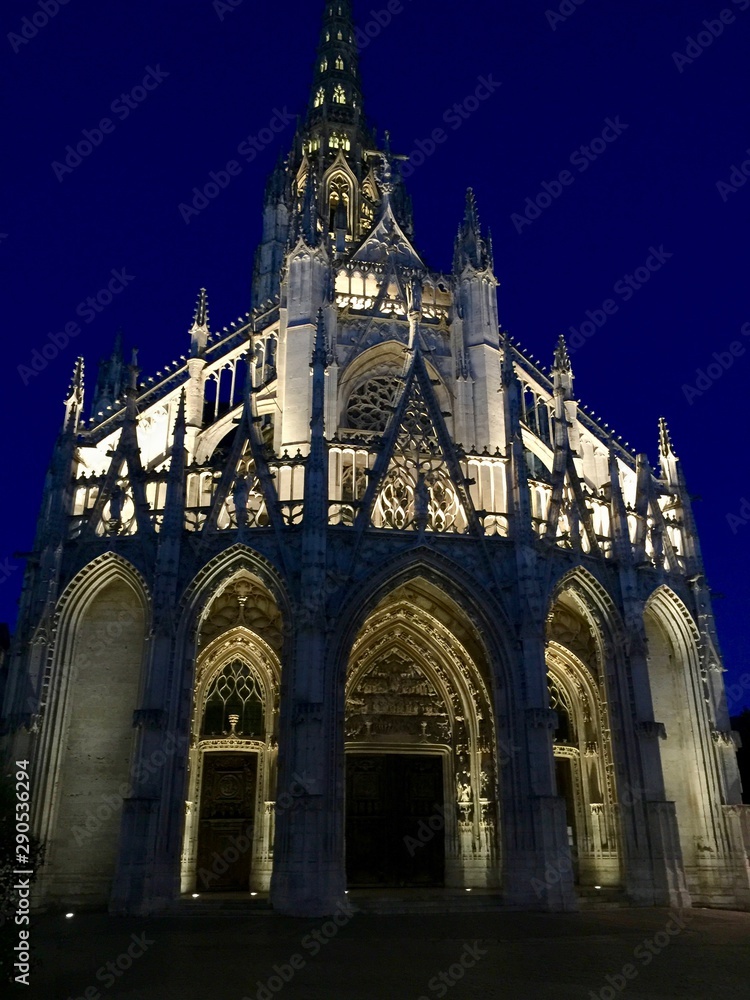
{"points": [[320, 97], [339, 94], [234, 692], [565, 732], [371, 404], [337, 141], [339, 63]]}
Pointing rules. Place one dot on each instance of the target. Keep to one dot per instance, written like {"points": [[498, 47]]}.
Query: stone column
{"points": [[538, 859]]}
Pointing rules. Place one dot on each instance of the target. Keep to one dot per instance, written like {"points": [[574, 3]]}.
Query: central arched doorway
{"points": [[421, 775]]}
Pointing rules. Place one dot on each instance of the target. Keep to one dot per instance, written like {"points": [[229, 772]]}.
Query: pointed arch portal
{"points": [[421, 770], [228, 835]]}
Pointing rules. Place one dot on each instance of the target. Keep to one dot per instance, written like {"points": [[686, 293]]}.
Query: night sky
{"points": [[222, 73]]}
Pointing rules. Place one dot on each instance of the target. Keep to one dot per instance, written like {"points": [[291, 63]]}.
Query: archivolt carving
{"points": [[243, 602]]}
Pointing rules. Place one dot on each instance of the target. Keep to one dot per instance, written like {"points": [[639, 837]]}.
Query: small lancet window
{"points": [[324, 66], [339, 63], [339, 95], [341, 36], [320, 97]]}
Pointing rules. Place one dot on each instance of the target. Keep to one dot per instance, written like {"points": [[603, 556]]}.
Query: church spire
{"points": [[337, 90]]}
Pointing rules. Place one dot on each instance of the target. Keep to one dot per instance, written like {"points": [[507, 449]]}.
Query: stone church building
{"points": [[356, 594]]}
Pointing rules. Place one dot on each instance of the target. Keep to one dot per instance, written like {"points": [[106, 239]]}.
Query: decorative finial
{"points": [[666, 448], [562, 358], [200, 332]]}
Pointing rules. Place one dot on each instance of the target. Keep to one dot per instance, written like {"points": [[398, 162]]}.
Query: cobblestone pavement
{"points": [[634, 954]]}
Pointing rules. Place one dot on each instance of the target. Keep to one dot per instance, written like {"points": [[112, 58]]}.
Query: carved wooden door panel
{"points": [[226, 821], [395, 828]]}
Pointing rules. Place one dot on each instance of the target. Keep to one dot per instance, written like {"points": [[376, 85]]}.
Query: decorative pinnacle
{"points": [[471, 217], [179, 423], [470, 246], [201, 310], [74, 397], [76, 382], [562, 358], [666, 448], [320, 351], [199, 332], [133, 370], [508, 371], [308, 223]]}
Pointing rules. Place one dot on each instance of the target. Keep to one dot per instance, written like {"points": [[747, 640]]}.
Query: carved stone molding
{"points": [[725, 738]]}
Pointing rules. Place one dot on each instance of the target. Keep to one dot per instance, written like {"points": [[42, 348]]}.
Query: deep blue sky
{"points": [[655, 185]]}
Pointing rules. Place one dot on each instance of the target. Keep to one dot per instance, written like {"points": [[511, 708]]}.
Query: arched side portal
{"points": [[582, 746], [421, 788], [229, 830]]}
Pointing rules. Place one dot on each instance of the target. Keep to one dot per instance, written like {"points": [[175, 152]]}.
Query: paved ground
{"points": [[645, 954]]}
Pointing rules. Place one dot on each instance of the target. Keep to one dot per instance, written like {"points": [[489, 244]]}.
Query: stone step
{"points": [[210, 905], [606, 898], [384, 902]]}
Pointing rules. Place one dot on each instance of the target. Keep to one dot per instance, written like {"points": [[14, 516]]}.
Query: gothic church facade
{"points": [[357, 568]]}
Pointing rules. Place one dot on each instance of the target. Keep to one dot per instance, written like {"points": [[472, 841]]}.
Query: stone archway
{"points": [[582, 744], [421, 805], [229, 822], [83, 762]]}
